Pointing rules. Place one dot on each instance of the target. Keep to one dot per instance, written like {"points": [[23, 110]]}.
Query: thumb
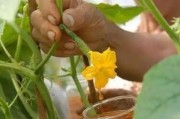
{"points": [[79, 17]]}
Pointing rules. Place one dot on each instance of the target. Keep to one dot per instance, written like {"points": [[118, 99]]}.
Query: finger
{"points": [[86, 13], [50, 11], [71, 3], [45, 48], [59, 52], [39, 38], [45, 28], [67, 53], [68, 46]]}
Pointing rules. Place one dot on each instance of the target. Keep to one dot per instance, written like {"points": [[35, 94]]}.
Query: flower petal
{"points": [[110, 73], [96, 59], [103, 67], [100, 80], [89, 72], [109, 57]]}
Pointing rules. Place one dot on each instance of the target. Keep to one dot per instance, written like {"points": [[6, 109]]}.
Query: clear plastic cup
{"points": [[120, 107]]}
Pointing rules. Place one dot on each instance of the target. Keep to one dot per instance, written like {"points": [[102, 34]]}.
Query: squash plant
{"points": [[23, 94]]}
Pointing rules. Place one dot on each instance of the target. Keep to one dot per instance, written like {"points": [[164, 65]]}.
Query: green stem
{"points": [[14, 100], [152, 8], [19, 43], [19, 69], [78, 85], [30, 42], [18, 90], [80, 43], [77, 61], [6, 51], [7, 112], [84, 48], [3, 46], [2, 95], [46, 98], [39, 83], [59, 6], [43, 62]]}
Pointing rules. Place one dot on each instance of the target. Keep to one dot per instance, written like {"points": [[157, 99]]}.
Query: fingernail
{"points": [[51, 35], [69, 45], [68, 20], [52, 19]]}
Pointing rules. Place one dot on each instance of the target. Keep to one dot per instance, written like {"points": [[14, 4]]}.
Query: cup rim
{"points": [[106, 100]]}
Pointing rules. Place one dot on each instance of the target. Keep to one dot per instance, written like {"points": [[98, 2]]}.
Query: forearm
{"points": [[137, 52]]}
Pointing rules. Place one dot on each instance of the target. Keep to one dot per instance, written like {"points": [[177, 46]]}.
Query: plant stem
{"points": [[19, 41], [3, 46], [6, 51], [18, 90], [78, 85], [30, 42], [46, 98], [2, 95], [19, 69], [41, 88], [152, 8], [7, 112], [60, 7], [80, 43], [92, 91], [43, 62], [40, 103]]}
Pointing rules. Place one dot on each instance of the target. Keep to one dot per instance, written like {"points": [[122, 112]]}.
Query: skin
{"points": [[136, 52]]}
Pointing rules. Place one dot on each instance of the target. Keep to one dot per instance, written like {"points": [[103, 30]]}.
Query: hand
{"points": [[82, 18], [168, 10]]}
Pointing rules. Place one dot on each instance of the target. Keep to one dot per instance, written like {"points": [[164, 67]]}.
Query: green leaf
{"points": [[9, 35], [118, 14], [160, 95], [8, 9]]}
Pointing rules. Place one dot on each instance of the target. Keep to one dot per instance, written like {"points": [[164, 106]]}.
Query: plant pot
{"points": [[120, 107]]}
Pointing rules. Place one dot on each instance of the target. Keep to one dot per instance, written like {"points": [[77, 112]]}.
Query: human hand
{"points": [[167, 9], [82, 18]]}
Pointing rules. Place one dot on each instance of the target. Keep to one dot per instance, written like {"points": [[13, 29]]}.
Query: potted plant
{"points": [[23, 94]]}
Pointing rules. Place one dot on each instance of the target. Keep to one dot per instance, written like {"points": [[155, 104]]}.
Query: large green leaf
{"points": [[9, 38], [8, 9], [160, 95], [118, 14], [9, 35]]}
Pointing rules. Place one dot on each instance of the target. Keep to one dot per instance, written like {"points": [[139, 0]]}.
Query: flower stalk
{"points": [[78, 85], [83, 47], [92, 91]]}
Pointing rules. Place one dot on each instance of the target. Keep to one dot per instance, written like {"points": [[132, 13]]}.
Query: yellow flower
{"points": [[103, 67]]}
